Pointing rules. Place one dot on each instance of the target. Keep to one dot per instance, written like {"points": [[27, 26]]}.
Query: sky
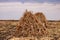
{"points": [[14, 9]]}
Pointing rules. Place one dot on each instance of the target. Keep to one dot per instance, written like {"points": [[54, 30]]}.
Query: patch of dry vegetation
{"points": [[31, 25]]}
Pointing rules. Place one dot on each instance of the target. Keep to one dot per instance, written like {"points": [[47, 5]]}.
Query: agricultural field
{"points": [[7, 29]]}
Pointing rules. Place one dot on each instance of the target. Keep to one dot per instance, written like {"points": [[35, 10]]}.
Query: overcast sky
{"points": [[14, 9]]}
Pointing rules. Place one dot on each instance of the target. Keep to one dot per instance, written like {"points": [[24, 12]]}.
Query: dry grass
{"points": [[29, 25], [54, 31]]}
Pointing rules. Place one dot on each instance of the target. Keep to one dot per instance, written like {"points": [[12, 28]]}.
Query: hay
{"points": [[41, 17], [29, 25]]}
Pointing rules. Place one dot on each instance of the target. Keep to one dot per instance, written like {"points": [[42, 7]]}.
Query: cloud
{"points": [[14, 10], [32, 1]]}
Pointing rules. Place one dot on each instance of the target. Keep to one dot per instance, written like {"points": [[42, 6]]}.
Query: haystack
{"points": [[29, 25], [41, 17]]}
